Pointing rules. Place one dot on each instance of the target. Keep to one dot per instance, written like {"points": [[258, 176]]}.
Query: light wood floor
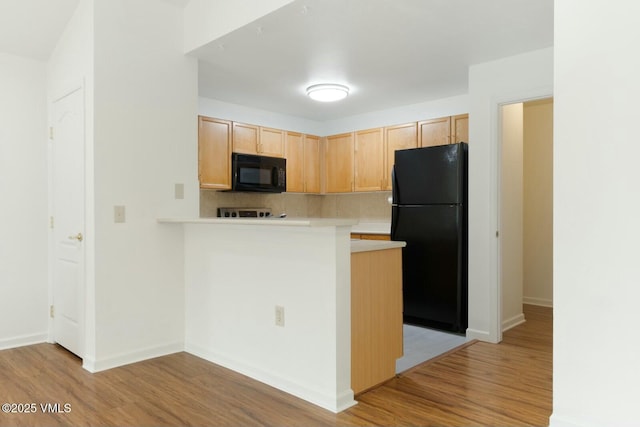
{"points": [[481, 384]]}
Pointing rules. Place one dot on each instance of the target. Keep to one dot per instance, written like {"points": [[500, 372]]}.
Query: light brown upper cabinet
{"points": [[214, 153], [443, 130], [400, 137], [355, 161], [460, 128], [311, 164], [339, 163], [245, 138], [251, 139], [369, 160], [434, 132], [368, 236], [294, 153], [271, 142], [303, 162]]}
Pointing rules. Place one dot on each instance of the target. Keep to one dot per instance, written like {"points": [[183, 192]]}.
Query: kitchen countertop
{"points": [[357, 226], [273, 221], [372, 227], [374, 245]]}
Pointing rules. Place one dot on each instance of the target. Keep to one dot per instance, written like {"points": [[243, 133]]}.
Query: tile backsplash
{"points": [[373, 206]]}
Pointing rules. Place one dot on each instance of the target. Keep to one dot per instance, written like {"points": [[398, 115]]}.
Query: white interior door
{"points": [[68, 221]]}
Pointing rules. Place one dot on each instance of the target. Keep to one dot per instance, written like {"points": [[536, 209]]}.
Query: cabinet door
{"points": [[245, 138], [460, 128], [376, 317], [311, 164], [434, 132], [369, 160], [294, 153], [339, 163], [400, 137], [271, 142], [375, 237], [214, 153]]}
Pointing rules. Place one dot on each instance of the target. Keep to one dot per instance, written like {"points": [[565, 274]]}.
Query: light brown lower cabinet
{"points": [[376, 317], [367, 236]]}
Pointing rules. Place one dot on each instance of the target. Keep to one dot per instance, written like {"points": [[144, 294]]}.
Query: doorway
{"points": [[526, 208]]}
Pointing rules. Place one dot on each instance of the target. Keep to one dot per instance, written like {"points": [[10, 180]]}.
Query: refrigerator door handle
{"points": [[394, 223], [394, 186]]}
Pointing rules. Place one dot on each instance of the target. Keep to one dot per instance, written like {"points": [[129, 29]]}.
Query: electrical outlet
{"points": [[118, 214], [279, 315]]}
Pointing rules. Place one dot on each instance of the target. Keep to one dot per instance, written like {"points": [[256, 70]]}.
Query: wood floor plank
{"points": [[479, 384]]}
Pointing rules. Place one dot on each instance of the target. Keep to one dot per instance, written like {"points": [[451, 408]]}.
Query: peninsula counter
{"points": [[238, 271]]}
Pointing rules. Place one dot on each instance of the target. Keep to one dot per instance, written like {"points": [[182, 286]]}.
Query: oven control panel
{"points": [[244, 212]]}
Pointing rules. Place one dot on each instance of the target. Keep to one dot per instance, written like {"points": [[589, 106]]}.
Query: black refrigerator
{"points": [[429, 212]]}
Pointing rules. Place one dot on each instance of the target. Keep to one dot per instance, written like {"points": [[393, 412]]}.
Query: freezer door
{"points": [[430, 175], [433, 265]]}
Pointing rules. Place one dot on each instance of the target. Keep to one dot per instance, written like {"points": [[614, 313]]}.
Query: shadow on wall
{"points": [[373, 206]]}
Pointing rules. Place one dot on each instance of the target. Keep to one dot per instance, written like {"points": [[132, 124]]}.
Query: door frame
{"points": [[495, 297], [52, 242]]}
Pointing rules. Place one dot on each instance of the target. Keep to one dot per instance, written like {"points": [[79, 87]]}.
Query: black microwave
{"points": [[258, 173]]}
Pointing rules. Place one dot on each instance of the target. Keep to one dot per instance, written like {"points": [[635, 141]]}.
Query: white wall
{"points": [[23, 217], [507, 80], [394, 116], [145, 141], [207, 20], [237, 274], [408, 113], [596, 379], [538, 203], [239, 113], [511, 214]]}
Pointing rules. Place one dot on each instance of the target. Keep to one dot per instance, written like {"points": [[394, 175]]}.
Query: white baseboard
{"points": [[556, 421], [474, 334], [513, 322], [133, 357], [542, 302], [23, 340], [341, 401]]}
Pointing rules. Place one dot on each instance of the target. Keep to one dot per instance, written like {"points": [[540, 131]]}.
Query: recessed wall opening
{"points": [[525, 208]]}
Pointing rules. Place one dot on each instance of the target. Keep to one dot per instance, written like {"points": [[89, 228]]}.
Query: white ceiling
{"points": [[390, 52], [31, 28]]}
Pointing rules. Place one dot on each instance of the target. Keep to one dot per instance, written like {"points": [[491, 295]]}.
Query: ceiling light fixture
{"points": [[327, 92]]}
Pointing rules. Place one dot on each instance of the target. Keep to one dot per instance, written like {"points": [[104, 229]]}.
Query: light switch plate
{"points": [[118, 214], [179, 191], [279, 315]]}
